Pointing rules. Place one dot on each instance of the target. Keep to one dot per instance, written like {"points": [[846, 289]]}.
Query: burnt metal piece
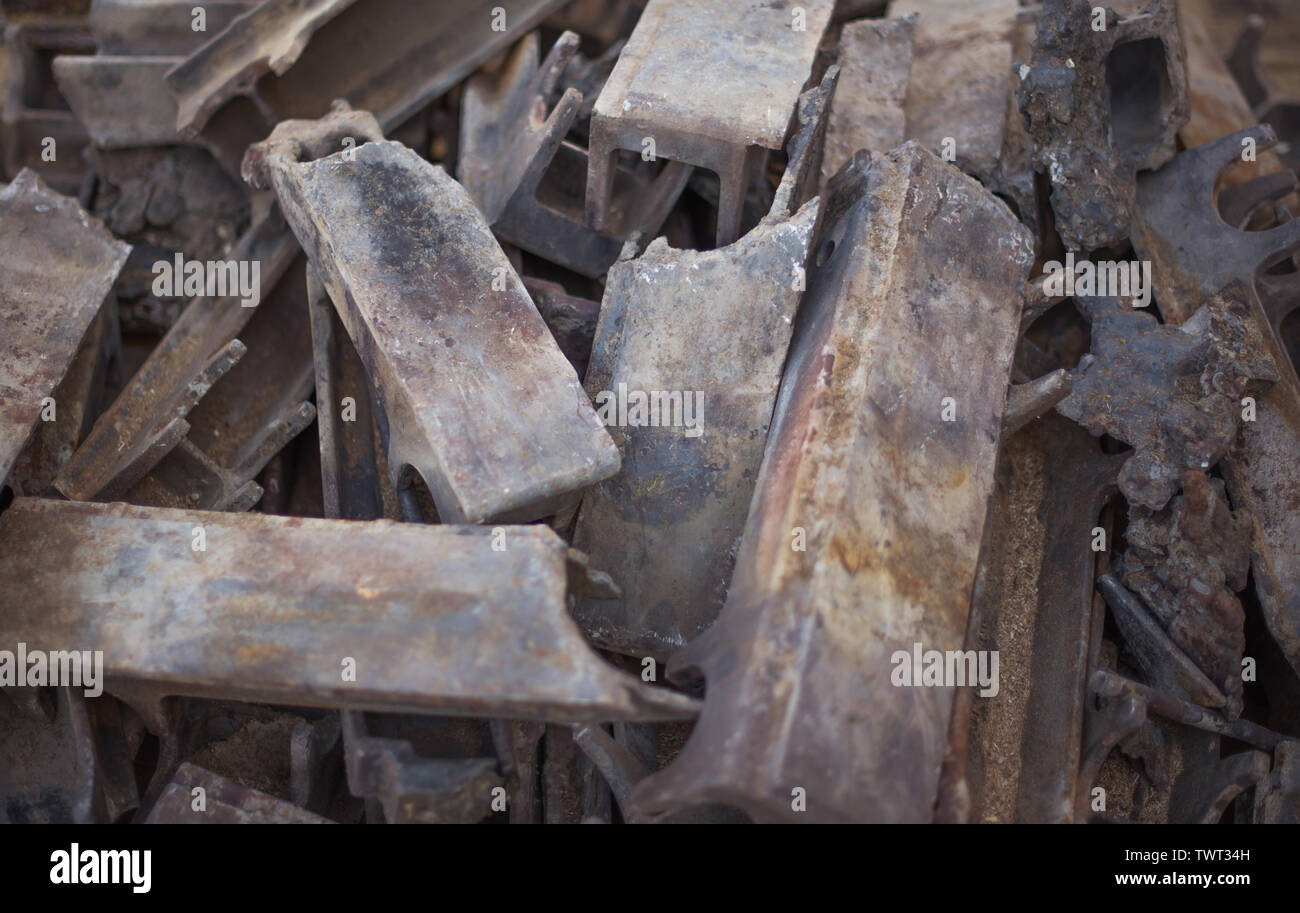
{"points": [[891, 498], [222, 801], [1172, 393], [282, 60], [59, 264], [1194, 254], [148, 419], [508, 143], [119, 94], [478, 397], [188, 478], [1186, 562], [668, 525], [433, 617], [680, 46], [1101, 105], [1030, 400]]}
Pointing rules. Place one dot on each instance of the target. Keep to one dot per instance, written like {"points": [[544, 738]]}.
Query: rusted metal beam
{"points": [[352, 481], [58, 266], [121, 101], [703, 419], [430, 618], [33, 115], [479, 399], [875, 60], [412, 789], [1109, 685], [159, 27], [1068, 481], [654, 92], [119, 94], [911, 315], [281, 60], [1162, 661], [960, 102], [250, 413], [78, 398], [148, 419], [509, 143]]}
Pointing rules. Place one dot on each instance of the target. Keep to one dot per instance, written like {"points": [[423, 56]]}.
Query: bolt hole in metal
{"points": [[1131, 70], [824, 252]]}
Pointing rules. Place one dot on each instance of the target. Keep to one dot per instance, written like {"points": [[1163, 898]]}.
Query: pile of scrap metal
{"points": [[648, 411]]}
